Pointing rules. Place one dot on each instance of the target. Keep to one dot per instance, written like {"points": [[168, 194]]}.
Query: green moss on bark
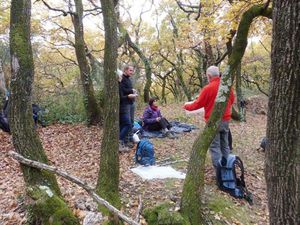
{"points": [[194, 183], [162, 215], [49, 209]]}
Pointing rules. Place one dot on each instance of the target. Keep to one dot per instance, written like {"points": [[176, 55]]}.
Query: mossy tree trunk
{"points": [[91, 106], [126, 37], [147, 65], [194, 182], [2, 86], [44, 197], [283, 127], [180, 62], [239, 94], [108, 179]]}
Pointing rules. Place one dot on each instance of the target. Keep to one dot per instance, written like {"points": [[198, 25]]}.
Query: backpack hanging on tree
{"points": [[144, 154], [230, 177]]}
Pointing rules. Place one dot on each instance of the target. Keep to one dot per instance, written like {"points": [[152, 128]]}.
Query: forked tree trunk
{"points": [[91, 105], [194, 182], [43, 194], [108, 179], [283, 126]]}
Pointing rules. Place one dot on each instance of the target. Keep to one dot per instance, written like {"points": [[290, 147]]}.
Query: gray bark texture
{"points": [[43, 195], [91, 105], [108, 178], [283, 127]]}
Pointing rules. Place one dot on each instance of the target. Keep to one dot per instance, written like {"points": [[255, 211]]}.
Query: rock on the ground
{"points": [[93, 218]]}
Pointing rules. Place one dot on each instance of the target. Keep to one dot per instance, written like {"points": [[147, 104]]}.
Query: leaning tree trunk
{"points": [[43, 194], [194, 182], [91, 106], [108, 179], [283, 127]]}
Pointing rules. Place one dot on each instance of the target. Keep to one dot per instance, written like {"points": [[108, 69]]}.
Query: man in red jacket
{"points": [[219, 146]]}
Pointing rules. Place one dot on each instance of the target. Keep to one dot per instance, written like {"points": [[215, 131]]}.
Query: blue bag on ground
{"points": [[230, 177], [144, 154]]}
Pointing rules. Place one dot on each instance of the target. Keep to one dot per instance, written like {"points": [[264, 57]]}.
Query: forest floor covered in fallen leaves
{"points": [[75, 148]]}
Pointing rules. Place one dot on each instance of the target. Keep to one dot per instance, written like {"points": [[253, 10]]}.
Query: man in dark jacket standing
{"points": [[127, 98]]}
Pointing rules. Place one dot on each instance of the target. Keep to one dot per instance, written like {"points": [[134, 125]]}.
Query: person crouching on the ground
{"points": [[219, 146], [153, 120]]}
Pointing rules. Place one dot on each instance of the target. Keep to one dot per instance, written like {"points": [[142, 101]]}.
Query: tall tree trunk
{"points": [[147, 65], [2, 86], [179, 72], [145, 60], [241, 114], [179, 59], [194, 182], [283, 126], [108, 179], [91, 106], [43, 194]]}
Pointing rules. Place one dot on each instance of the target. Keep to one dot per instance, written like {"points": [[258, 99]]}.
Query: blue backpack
{"points": [[144, 154], [230, 177]]}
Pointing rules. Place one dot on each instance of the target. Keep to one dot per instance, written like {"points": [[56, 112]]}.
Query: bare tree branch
{"points": [[139, 209], [76, 180], [264, 47], [190, 9], [245, 77], [65, 13]]}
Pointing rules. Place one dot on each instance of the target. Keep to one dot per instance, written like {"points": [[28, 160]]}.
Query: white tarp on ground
{"points": [[157, 172]]}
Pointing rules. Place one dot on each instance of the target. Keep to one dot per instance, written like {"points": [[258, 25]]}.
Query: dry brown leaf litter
{"points": [[75, 148]]}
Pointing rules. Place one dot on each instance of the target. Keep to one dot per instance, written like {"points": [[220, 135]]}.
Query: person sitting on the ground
{"points": [[153, 120]]}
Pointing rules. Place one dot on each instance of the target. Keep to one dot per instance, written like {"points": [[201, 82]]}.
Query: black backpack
{"points": [[230, 177], [4, 123]]}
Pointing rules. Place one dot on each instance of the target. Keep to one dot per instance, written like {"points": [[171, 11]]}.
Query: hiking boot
{"points": [[129, 145], [123, 148], [171, 135]]}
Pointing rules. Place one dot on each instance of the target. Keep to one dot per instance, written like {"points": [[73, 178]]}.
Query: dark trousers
{"points": [[219, 146], [162, 124], [125, 121]]}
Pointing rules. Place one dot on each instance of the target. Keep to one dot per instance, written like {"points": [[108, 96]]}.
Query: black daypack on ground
{"points": [[230, 177]]}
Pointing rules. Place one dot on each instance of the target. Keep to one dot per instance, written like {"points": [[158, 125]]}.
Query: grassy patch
{"points": [[223, 208]]}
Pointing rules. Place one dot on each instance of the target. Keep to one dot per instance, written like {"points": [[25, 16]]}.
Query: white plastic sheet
{"points": [[157, 172]]}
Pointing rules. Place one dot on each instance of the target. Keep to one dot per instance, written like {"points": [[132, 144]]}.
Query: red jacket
{"points": [[207, 98]]}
